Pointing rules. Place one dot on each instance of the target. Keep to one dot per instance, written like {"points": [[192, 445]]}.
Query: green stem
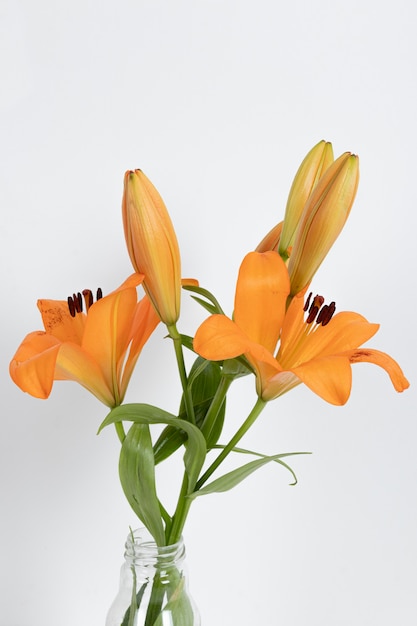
{"points": [[215, 406], [181, 512], [184, 503], [253, 415], [175, 336]]}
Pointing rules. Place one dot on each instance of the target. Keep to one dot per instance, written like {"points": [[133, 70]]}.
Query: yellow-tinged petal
{"points": [[345, 331], [262, 285], [74, 363], [308, 175], [144, 323], [271, 239], [32, 367], [323, 218], [107, 332], [152, 244]]}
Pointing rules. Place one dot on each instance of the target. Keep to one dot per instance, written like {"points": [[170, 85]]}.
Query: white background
{"points": [[217, 101]]}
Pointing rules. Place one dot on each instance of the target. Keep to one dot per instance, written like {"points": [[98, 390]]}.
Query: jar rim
{"points": [[141, 546]]}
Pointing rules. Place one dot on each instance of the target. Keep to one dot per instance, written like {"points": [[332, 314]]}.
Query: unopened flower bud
{"points": [[323, 218], [308, 175], [152, 244]]}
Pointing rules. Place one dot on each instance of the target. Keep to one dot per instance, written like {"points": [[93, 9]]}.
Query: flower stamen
{"points": [[326, 314], [318, 311], [75, 302]]}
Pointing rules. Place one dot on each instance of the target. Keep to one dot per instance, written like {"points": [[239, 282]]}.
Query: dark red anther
{"points": [[75, 302], [307, 304], [312, 314], [71, 306], [314, 308], [318, 301], [326, 314], [88, 298], [322, 314], [78, 303]]}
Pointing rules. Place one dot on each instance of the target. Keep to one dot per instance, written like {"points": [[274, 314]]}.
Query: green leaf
{"points": [[137, 476], [195, 447], [214, 307], [206, 305], [236, 476], [236, 368], [187, 342], [179, 608], [204, 379], [130, 614]]}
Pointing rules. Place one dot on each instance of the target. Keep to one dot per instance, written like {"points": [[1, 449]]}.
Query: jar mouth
{"points": [[141, 547]]}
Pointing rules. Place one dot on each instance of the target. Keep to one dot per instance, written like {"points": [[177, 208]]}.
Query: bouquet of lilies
{"points": [[279, 333]]}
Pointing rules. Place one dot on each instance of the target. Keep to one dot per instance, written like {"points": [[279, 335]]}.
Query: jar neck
{"points": [[141, 550]]}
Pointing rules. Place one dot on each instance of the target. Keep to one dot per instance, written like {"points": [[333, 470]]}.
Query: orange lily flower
{"points": [[152, 244], [97, 349], [282, 348]]}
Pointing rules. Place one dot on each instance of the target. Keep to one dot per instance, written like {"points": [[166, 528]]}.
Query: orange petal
{"points": [[108, 332], [74, 363], [279, 384], [261, 293], [33, 366], [271, 239], [219, 338], [134, 280], [293, 325], [193, 282], [58, 321], [345, 331], [145, 321], [264, 365], [367, 355], [329, 377]]}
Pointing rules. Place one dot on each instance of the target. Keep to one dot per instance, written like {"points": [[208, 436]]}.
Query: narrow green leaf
{"points": [[178, 607], [236, 476], [204, 379], [206, 294], [195, 448], [137, 476], [134, 605], [206, 305]]}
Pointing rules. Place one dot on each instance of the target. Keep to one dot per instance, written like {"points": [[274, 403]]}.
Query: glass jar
{"points": [[153, 586]]}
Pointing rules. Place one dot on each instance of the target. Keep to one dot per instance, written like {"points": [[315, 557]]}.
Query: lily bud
{"points": [[152, 244], [271, 239], [323, 218], [308, 175]]}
